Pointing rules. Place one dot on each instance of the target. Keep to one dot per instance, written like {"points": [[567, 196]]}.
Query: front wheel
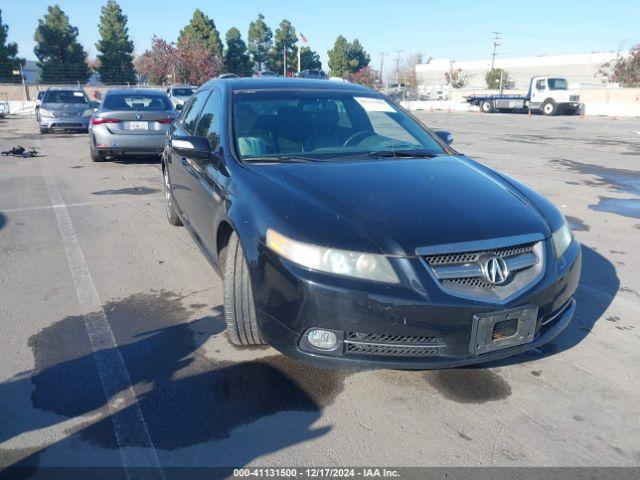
{"points": [[239, 309], [549, 107]]}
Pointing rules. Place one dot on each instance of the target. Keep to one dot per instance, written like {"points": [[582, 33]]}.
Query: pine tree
{"points": [[285, 39], [260, 40], [236, 58], [347, 58], [115, 57], [202, 29], [8, 56], [339, 58], [358, 58], [309, 60], [61, 58]]}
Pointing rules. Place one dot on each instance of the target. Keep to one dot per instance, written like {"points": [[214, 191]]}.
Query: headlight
{"points": [[2, 107], [562, 239], [368, 266], [46, 113], [88, 112]]}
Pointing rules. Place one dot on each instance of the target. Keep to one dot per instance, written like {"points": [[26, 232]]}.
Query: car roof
{"points": [[270, 83], [136, 91], [65, 89]]}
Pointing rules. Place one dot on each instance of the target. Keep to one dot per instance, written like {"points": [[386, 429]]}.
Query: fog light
{"points": [[322, 339]]}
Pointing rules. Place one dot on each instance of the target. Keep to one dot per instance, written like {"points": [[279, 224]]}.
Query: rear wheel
{"points": [[95, 155], [169, 206], [549, 107], [486, 106], [239, 309]]}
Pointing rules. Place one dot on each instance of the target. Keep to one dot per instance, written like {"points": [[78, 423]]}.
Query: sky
{"points": [[457, 30]]}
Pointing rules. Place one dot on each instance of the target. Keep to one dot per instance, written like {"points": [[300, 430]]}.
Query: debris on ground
{"points": [[20, 151]]}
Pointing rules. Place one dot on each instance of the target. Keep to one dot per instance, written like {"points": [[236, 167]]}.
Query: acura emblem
{"points": [[495, 270], [138, 116]]}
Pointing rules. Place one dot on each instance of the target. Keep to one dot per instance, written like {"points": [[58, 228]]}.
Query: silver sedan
{"points": [[130, 122]]}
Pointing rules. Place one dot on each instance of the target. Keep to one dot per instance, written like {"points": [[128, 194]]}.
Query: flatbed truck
{"points": [[549, 95]]}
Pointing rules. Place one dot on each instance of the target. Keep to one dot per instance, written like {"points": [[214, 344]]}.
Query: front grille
{"points": [[462, 273], [391, 350], [392, 345], [396, 339], [574, 98], [469, 257]]}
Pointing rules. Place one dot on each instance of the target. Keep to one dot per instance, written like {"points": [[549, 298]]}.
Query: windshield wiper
{"points": [[402, 154], [279, 159]]}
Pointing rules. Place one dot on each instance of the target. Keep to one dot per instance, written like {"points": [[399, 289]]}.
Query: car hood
{"points": [[65, 107], [398, 205]]}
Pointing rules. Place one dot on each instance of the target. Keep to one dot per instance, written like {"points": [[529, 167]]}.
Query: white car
{"points": [[180, 95]]}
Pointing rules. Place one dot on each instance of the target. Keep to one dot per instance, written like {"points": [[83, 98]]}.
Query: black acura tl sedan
{"points": [[348, 235]]}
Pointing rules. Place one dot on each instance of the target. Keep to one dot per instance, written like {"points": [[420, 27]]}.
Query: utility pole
{"points": [[398, 52], [382, 54], [496, 44]]}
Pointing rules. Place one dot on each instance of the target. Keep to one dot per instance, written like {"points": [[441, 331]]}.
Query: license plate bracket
{"points": [[496, 330], [138, 125]]}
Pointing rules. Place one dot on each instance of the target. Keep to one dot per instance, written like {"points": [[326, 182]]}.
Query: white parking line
{"points": [[131, 432], [147, 198]]}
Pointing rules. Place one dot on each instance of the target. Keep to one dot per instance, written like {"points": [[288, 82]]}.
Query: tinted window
{"points": [[189, 118], [323, 125], [182, 92], [209, 124], [540, 85], [64, 96], [136, 102]]}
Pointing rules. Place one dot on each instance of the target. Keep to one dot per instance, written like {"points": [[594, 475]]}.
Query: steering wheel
{"points": [[357, 138]]}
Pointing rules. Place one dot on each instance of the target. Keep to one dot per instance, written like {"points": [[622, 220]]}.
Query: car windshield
{"points": [[325, 125], [136, 102], [64, 96], [557, 84], [182, 92]]}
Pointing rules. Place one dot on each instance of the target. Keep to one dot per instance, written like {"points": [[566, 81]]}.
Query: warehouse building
{"points": [[580, 70]]}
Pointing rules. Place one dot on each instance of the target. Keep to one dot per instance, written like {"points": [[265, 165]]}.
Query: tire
{"points": [[486, 106], [549, 107], [169, 206], [239, 309], [95, 156], [44, 131]]}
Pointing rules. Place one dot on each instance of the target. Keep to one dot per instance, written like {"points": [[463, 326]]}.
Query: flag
{"points": [[302, 37]]}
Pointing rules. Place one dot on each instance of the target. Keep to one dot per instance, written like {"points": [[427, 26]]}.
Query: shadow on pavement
{"points": [[185, 398], [3, 220]]}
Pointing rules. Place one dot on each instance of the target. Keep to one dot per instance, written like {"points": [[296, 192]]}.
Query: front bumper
{"points": [[65, 123], [291, 300]]}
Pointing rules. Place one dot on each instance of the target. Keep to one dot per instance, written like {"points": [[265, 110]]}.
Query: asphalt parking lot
{"points": [[79, 239]]}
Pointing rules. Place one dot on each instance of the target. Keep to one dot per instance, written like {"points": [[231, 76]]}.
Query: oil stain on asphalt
{"points": [[620, 180], [128, 191], [469, 385], [186, 399]]}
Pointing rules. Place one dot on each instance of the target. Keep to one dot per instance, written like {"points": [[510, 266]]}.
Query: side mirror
{"points": [[190, 146], [179, 107], [446, 137]]}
